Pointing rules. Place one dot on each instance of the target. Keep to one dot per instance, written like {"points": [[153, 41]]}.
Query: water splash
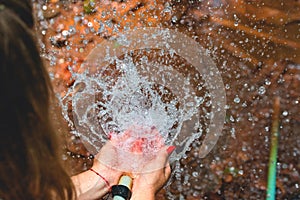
{"points": [[152, 78]]}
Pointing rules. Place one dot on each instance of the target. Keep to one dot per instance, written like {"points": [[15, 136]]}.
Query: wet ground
{"points": [[256, 45]]}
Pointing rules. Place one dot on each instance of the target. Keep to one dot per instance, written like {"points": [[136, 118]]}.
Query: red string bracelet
{"points": [[105, 180]]}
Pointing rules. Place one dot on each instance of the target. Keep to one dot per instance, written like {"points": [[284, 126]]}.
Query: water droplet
{"points": [[232, 131], [285, 113], [267, 128], [236, 99], [174, 19], [65, 33], [64, 157], [236, 22], [244, 105], [195, 174], [266, 139], [261, 90], [267, 82], [90, 24]]}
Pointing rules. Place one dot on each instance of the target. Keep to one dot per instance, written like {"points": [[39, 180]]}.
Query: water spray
{"points": [[114, 93], [130, 83]]}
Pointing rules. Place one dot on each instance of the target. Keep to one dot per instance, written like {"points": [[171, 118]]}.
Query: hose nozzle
{"points": [[122, 191]]}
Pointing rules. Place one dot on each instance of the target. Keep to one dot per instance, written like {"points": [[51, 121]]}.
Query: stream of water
{"points": [[144, 80]]}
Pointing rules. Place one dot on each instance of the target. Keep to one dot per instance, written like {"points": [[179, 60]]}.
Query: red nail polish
{"points": [[109, 135], [170, 149]]}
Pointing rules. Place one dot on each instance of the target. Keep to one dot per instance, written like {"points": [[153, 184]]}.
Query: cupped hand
{"points": [[153, 176], [96, 182], [106, 163]]}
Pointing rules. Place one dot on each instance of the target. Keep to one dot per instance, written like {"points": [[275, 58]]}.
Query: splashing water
{"points": [[147, 88]]}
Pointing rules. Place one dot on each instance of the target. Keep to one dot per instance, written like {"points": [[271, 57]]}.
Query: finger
{"points": [[167, 171], [165, 153]]}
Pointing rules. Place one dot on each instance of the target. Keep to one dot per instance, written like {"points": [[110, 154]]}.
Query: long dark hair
{"points": [[30, 164]]}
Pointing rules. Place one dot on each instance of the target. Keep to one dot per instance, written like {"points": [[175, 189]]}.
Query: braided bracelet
{"points": [[105, 180]]}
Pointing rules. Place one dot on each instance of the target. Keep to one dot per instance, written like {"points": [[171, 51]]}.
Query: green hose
{"points": [[271, 189]]}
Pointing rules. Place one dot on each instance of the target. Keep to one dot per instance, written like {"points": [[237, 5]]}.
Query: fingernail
{"points": [[170, 149], [109, 135]]}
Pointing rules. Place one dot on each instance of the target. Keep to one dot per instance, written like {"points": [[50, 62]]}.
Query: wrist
{"points": [[140, 191], [146, 195], [89, 185], [102, 177], [110, 175]]}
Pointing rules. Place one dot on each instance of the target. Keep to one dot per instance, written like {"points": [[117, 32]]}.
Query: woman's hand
{"points": [[96, 182], [106, 162], [154, 175]]}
